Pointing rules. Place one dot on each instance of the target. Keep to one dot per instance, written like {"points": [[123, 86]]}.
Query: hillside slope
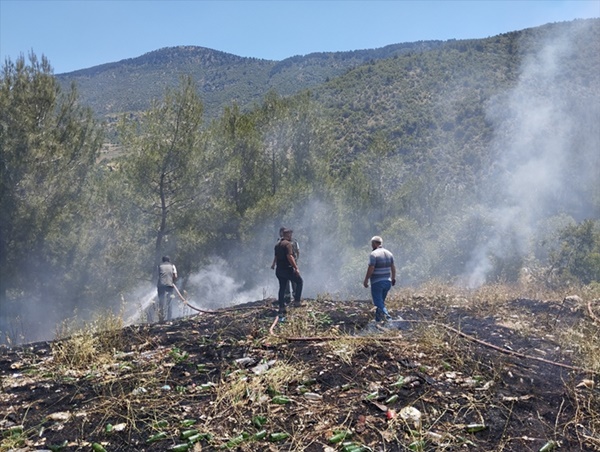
{"points": [[222, 78], [477, 374], [441, 97]]}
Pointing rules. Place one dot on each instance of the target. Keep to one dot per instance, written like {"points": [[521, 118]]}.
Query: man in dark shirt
{"points": [[287, 270], [296, 251]]}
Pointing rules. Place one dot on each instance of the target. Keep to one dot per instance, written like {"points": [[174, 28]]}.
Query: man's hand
{"points": [[393, 282], [366, 283]]}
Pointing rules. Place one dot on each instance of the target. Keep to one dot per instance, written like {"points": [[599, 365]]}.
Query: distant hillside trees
{"points": [[576, 256]]}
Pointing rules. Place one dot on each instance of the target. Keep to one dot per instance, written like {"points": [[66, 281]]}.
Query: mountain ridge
{"points": [[130, 85], [222, 78]]}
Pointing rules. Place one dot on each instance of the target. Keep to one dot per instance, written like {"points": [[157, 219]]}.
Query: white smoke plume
{"points": [[546, 142], [216, 286], [244, 275]]}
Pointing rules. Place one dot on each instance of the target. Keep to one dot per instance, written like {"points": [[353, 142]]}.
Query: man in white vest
{"points": [[167, 275]]}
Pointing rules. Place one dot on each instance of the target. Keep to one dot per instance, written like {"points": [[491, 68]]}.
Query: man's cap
{"points": [[286, 231], [377, 239]]}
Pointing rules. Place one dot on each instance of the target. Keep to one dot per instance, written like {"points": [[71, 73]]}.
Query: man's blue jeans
{"points": [[379, 291]]}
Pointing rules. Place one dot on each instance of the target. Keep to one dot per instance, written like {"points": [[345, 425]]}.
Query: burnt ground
{"points": [[454, 375]]}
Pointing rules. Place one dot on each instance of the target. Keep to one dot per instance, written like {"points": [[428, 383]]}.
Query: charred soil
{"points": [[453, 374]]}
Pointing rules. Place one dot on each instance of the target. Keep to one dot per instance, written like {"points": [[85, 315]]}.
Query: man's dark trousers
{"points": [[284, 276]]}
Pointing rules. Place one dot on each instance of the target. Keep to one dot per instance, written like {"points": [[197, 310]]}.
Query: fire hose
{"points": [[203, 311], [185, 302]]}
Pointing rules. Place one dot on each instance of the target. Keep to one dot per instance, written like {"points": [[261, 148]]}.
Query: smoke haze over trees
{"points": [[473, 159]]}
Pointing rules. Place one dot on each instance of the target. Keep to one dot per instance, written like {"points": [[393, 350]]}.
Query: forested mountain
{"points": [[476, 160], [130, 85], [441, 95], [446, 112]]}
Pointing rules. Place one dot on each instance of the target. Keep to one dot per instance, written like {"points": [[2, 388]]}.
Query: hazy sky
{"points": [[77, 34]]}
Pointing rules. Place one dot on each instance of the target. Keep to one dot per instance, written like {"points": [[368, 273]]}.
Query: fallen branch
{"points": [[454, 330], [512, 352], [335, 338]]}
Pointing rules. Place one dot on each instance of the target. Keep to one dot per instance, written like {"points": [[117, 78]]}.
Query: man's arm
{"points": [[370, 271], [293, 263], [393, 275]]}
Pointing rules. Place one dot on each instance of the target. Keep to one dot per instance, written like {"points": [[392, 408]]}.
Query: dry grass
{"points": [[308, 322], [345, 348], [583, 343], [92, 343], [579, 343], [242, 387]]}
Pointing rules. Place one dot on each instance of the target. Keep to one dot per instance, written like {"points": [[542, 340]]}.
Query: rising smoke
{"points": [[245, 274], [546, 142]]}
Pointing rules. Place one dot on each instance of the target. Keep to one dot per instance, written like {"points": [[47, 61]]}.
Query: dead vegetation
{"points": [[499, 369]]}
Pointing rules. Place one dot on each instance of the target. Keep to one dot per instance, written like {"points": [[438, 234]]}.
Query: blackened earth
{"points": [[443, 377]]}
